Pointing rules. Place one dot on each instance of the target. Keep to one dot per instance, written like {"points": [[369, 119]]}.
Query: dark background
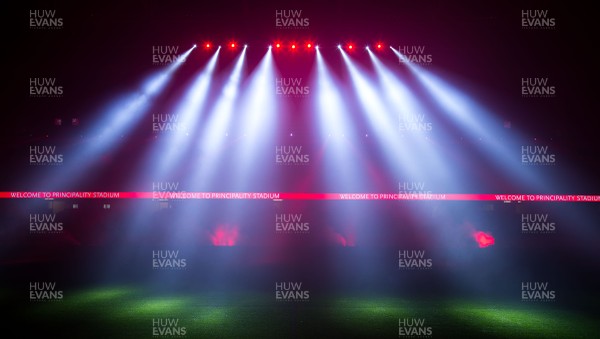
{"points": [[104, 49]]}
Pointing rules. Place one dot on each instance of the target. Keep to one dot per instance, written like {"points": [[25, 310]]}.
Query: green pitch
{"points": [[131, 312]]}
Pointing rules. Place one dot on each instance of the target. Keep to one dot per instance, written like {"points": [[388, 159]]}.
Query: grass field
{"points": [[128, 312]]}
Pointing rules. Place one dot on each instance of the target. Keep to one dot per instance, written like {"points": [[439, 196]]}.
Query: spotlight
{"points": [[350, 46], [379, 46], [232, 45], [309, 45], [278, 45], [293, 46]]}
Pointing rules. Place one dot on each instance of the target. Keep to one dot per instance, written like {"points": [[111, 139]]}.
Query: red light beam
{"points": [[483, 239]]}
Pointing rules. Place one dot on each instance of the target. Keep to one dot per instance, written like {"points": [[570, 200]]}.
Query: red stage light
{"points": [[224, 235], [379, 46], [232, 45], [309, 45], [350, 46], [293, 46], [484, 239], [277, 45]]}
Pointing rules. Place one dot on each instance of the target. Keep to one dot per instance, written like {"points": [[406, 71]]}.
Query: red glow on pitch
{"points": [[484, 239], [224, 235]]}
